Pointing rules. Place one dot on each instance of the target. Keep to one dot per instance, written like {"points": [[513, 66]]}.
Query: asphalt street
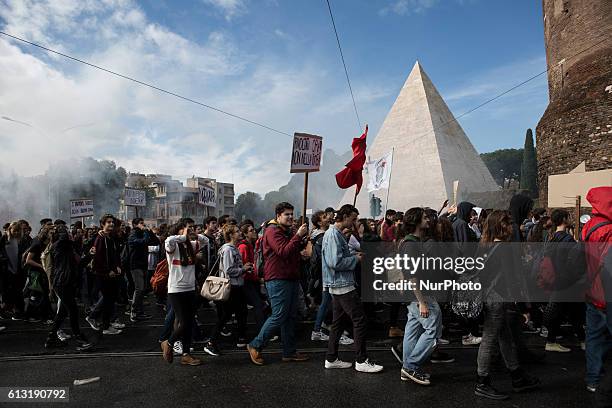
{"points": [[132, 373]]}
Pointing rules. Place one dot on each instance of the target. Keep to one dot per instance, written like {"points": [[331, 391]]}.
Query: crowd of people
{"points": [[283, 271]]}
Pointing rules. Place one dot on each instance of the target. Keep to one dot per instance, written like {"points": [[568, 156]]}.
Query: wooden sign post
{"points": [[577, 219], [306, 158]]}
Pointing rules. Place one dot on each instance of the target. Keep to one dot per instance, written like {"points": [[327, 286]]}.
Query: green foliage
{"points": [[529, 166], [249, 205], [504, 164]]}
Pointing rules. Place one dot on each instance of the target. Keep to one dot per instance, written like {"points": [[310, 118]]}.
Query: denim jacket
{"points": [[338, 263]]}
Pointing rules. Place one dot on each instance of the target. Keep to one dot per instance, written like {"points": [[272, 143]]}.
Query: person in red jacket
{"points": [[251, 280], [281, 253], [598, 235]]}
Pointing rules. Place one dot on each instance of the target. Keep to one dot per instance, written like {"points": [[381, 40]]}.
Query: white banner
{"points": [[81, 208], [379, 172], [306, 153], [135, 198], [207, 196]]}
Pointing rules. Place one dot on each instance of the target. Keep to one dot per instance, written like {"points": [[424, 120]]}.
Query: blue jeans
{"points": [[421, 334], [598, 330], [284, 298], [325, 301]]}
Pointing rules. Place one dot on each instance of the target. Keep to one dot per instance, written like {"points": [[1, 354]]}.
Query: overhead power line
{"points": [[331, 15], [233, 115]]}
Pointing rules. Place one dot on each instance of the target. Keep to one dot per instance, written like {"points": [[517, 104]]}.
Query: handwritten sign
{"points": [[135, 198], [81, 208], [306, 153], [207, 196]]}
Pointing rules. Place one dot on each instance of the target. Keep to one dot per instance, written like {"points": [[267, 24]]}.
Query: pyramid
{"points": [[431, 151]]}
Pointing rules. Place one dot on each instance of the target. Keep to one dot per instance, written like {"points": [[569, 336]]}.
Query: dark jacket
{"points": [[138, 249], [281, 251], [461, 228], [107, 257], [520, 205], [4, 266], [65, 264]]}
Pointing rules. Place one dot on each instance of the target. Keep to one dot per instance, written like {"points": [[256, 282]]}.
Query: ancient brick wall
{"points": [[577, 125]]}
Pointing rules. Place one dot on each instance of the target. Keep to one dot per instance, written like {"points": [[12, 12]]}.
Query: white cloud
{"points": [[229, 8], [407, 7]]}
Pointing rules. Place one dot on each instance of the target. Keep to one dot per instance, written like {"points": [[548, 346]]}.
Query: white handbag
{"points": [[215, 287]]}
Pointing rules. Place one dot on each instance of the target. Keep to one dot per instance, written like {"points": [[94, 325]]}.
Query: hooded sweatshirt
{"points": [[230, 264], [520, 205], [601, 200], [461, 228], [65, 265]]}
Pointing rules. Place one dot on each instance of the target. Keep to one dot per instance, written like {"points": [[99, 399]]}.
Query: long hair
{"points": [[186, 252], [498, 225]]}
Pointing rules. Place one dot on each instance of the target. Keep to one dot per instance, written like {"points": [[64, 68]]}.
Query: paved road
{"points": [[133, 374]]}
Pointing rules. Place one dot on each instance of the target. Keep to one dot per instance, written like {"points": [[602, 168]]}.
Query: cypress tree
{"points": [[529, 166]]}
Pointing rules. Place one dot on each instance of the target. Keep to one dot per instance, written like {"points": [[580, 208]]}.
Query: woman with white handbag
{"points": [[232, 268], [181, 256]]}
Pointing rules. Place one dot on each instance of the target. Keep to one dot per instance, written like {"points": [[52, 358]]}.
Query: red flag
{"points": [[351, 175]]}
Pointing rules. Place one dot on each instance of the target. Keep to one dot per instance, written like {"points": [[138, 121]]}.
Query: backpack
{"points": [[258, 267], [159, 280]]}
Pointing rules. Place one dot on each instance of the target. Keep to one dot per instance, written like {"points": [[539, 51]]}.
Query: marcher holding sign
{"points": [[81, 208], [207, 196]]}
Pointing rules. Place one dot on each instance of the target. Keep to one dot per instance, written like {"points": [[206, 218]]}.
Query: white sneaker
{"points": [[470, 340], [111, 331], [178, 348], [443, 342], [368, 367], [63, 336], [319, 336], [118, 325], [582, 345], [337, 364], [557, 348], [346, 341], [274, 338], [94, 325]]}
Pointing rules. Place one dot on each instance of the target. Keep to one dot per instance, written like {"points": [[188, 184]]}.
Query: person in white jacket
{"points": [[181, 256]]}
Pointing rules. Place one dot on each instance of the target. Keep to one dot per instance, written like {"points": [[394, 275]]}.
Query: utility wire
{"points": [[148, 85], [344, 64]]}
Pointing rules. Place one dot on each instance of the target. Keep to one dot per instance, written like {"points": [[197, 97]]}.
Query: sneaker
{"points": [[346, 341], [296, 358], [139, 318], [177, 348], [439, 357], [556, 347], [33, 320], [274, 339], [111, 331], [529, 328], [525, 382], [543, 332], [92, 322], [187, 359], [337, 364], [488, 391], [241, 343], [443, 342], [53, 341], [417, 376], [397, 354], [325, 326], [211, 349], [2, 328], [226, 332], [48, 322], [395, 332], [470, 340], [368, 367], [117, 325], [63, 336], [318, 336], [255, 355], [83, 343], [582, 346], [591, 387], [166, 351]]}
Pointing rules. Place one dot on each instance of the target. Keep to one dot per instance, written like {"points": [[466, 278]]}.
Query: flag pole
{"points": [[390, 174], [355, 198]]}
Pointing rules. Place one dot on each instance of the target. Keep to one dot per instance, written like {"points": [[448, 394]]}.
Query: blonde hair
{"points": [[228, 230]]}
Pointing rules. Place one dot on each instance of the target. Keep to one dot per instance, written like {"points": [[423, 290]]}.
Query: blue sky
{"points": [[272, 61]]}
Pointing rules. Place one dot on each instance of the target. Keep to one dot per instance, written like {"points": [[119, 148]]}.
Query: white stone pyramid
{"points": [[431, 152]]}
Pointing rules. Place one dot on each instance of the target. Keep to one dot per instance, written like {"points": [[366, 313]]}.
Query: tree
{"points": [[504, 164], [529, 166], [248, 205]]}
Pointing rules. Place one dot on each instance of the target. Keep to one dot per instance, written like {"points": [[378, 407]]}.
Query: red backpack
{"points": [[159, 280]]}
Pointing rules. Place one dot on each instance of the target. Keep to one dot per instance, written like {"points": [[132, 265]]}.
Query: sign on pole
{"points": [[207, 196], [306, 153], [135, 198], [80, 208]]}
